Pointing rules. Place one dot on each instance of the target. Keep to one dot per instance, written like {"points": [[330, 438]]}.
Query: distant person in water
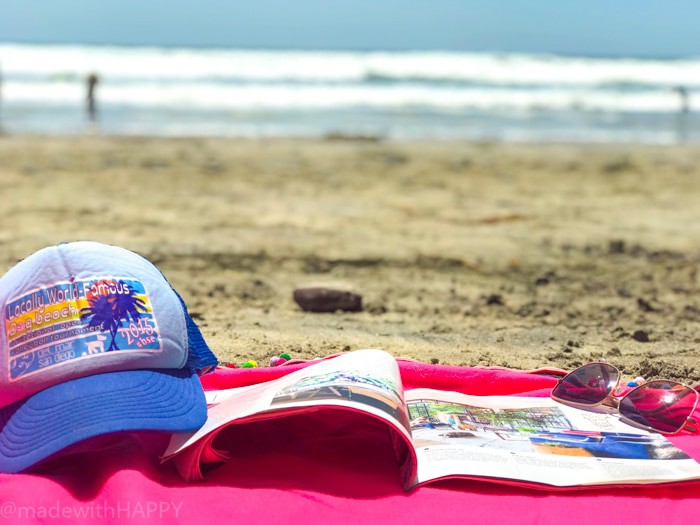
{"points": [[684, 99], [0, 101], [91, 104], [682, 123]]}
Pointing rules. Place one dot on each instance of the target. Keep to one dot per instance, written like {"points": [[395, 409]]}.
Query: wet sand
{"points": [[472, 254]]}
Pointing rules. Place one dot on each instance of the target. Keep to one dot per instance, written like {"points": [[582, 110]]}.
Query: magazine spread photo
{"points": [[437, 434]]}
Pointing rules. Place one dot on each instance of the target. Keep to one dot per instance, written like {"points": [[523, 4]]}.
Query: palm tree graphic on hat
{"points": [[108, 311]]}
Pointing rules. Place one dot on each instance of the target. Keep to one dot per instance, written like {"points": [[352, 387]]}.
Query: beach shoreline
{"points": [[517, 255]]}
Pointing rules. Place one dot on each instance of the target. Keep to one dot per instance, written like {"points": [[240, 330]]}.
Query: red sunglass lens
{"points": [[588, 385], [662, 405]]}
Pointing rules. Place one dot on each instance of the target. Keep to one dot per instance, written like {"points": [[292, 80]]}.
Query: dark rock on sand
{"points": [[547, 278], [495, 300], [641, 336], [616, 247], [320, 299], [644, 305]]}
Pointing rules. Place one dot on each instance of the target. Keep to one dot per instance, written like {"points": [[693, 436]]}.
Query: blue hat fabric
{"points": [[94, 341]]}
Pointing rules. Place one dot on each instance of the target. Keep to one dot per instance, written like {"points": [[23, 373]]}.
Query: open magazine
{"points": [[438, 435]]}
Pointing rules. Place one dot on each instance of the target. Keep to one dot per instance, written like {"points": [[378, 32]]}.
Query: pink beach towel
{"points": [[284, 472]]}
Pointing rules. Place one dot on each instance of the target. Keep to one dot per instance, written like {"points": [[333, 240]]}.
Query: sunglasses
{"points": [[659, 405]]}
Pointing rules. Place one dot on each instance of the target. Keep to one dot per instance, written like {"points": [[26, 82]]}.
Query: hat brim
{"points": [[35, 428]]}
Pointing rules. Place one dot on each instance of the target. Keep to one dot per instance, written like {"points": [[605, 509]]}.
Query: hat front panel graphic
{"points": [[78, 320]]}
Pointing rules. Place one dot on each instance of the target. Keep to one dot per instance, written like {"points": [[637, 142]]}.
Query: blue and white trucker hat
{"points": [[94, 340]]}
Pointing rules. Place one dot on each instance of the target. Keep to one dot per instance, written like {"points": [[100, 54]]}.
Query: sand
{"points": [[523, 256]]}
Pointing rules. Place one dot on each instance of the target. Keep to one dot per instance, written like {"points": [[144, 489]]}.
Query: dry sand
{"points": [[473, 254]]}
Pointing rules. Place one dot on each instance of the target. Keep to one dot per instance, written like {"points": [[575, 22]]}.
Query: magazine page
{"points": [[364, 380], [535, 440]]}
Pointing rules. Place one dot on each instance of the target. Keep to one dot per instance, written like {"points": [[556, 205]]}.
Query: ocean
{"points": [[399, 95]]}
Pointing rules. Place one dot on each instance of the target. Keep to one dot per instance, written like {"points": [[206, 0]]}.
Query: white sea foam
{"points": [[213, 96], [421, 94], [114, 63]]}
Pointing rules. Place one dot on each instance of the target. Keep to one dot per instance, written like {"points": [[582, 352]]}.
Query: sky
{"points": [[641, 28]]}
